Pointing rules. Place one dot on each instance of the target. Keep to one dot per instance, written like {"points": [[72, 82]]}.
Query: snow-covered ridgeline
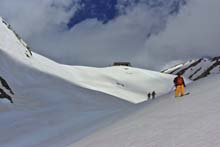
{"points": [[9, 38], [53, 106], [53, 103], [127, 83]]}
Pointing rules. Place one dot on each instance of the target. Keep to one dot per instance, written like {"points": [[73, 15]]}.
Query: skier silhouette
{"points": [[153, 94], [149, 95]]}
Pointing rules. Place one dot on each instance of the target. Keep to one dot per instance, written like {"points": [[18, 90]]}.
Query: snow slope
{"points": [[48, 109], [124, 82], [56, 105], [190, 121], [60, 105]]}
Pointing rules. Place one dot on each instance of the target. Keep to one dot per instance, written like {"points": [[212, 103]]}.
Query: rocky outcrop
{"points": [[5, 90], [207, 72], [196, 69]]}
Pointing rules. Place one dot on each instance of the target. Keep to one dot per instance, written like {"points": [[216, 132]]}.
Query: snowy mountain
{"points": [[197, 68], [57, 104], [62, 105], [5, 89], [27, 49], [124, 82]]}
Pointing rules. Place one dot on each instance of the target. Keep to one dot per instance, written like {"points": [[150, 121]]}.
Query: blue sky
{"points": [[144, 32], [101, 10], [107, 10]]}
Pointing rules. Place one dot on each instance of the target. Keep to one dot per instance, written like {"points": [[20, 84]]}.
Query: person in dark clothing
{"points": [[149, 95], [153, 94], [179, 84]]}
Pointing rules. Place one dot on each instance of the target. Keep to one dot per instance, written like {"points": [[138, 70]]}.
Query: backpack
{"points": [[178, 81]]}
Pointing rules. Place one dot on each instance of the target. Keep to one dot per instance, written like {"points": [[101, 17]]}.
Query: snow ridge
{"points": [[127, 83], [55, 104], [5, 25]]}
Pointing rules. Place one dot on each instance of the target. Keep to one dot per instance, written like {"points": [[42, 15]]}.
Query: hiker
{"points": [[149, 95], [179, 84], [153, 94]]}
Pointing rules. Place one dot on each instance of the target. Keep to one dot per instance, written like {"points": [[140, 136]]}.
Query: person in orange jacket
{"points": [[180, 84]]}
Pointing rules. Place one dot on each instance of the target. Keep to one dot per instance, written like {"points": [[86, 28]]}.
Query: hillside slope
{"points": [[55, 104], [48, 108], [127, 83], [190, 121]]}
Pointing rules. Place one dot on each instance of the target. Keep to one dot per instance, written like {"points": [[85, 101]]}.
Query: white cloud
{"points": [[29, 17], [97, 44], [193, 33], [88, 43]]}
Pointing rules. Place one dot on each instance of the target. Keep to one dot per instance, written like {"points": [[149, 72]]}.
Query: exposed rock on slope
{"points": [[5, 90], [196, 69]]}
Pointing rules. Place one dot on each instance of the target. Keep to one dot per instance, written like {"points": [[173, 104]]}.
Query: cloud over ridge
{"points": [[192, 33]]}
